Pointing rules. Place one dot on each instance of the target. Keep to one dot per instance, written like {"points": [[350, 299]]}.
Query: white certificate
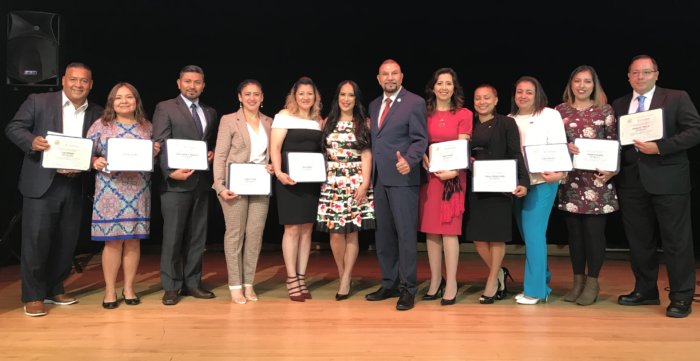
{"points": [[186, 154], [65, 152], [306, 167], [548, 158], [450, 155], [495, 175], [603, 154], [125, 154], [248, 179], [642, 126]]}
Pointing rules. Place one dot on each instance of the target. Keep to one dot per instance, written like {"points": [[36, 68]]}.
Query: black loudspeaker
{"points": [[32, 48]]}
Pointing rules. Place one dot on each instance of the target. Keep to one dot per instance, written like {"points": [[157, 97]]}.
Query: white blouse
{"points": [[547, 127]]}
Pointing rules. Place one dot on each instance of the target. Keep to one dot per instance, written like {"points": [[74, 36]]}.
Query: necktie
{"points": [[387, 105], [640, 103], [197, 121]]}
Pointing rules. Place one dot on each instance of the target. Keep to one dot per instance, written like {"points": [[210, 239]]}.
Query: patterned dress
{"points": [[580, 192], [122, 205], [337, 212]]}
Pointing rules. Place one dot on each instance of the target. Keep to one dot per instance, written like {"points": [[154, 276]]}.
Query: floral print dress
{"points": [[581, 192]]}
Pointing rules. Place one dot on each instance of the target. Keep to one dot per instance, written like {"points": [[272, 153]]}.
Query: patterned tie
{"points": [[197, 121], [640, 102], [387, 105]]}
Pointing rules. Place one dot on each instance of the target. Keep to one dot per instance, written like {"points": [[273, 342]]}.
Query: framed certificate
{"points": [[603, 154], [186, 154], [642, 126], [495, 175], [306, 167], [547, 158], [71, 153], [450, 155], [125, 154], [249, 179]]}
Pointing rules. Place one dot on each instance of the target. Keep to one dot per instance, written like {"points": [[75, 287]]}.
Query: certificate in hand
{"points": [[603, 154], [248, 179], [65, 152], [306, 167], [450, 155], [547, 158], [186, 154], [494, 175], [642, 126], [125, 154]]}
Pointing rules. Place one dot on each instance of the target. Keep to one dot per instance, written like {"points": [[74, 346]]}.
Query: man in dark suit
{"points": [[184, 192], [52, 199], [654, 190], [399, 140]]}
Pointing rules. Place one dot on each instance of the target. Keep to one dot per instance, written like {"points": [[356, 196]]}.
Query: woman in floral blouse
{"points": [[586, 196]]}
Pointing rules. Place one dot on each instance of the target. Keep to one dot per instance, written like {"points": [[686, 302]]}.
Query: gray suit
{"points": [[52, 203], [184, 204]]}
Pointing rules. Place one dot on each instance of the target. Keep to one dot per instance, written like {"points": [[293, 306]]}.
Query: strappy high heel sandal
{"points": [[294, 292], [302, 283]]}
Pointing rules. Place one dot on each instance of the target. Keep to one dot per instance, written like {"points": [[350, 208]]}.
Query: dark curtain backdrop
{"points": [[147, 42]]}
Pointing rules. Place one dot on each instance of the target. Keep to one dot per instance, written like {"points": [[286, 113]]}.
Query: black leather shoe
{"points": [[438, 294], [638, 299], [131, 301], [381, 294], [679, 309], [115, 304], [170, 298], [406, 301], [340, 297], [200, 292]]}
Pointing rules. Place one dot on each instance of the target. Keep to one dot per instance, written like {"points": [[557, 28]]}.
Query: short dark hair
{"points": [[191, 69]]}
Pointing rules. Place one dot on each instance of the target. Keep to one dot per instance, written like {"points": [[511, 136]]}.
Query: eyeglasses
{"points": [[642, 72]]}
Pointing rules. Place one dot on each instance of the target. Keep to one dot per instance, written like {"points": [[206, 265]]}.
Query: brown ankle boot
{"points": [[579, 280], [590, 292]]}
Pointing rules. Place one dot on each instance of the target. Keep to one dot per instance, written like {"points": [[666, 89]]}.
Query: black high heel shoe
{"points": [[340, 296], [487, 300], [438, 294], [502, 292], [131, 301]]}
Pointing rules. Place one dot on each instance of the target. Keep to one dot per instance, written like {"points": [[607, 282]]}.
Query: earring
{"points": [[261, 105], [240, 105]]}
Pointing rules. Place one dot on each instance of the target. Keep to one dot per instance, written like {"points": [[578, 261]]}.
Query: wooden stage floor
{"points": [[275, 328]]}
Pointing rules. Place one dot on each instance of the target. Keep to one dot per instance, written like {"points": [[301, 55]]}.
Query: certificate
{"points": [[186, 154], [494, 175], [642, 126], [547, 158], [67, 152], [450, 155], [249, 179], [603, 154], [125, 154], [306, 167]]}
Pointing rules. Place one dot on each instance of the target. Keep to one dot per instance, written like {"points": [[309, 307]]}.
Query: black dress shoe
{"points": [[438, 294], [131, 301], [446, 302], [406, 301], [200, 292], [381, 294], [170, 298], [638, 299], [679, 309], [110, 305], [340, 297]]}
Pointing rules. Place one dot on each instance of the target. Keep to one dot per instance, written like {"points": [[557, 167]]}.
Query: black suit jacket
{"points": [[504, 143], [669, 171], [172, 119], [39, 114]]}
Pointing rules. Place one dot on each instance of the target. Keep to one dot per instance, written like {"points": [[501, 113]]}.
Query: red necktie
{"points": [[387, 105]]}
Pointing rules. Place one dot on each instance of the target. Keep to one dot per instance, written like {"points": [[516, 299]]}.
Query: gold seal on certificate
{"points": [[450, 155], [547, 158], [124, 154], [186, 154], [642, 126], [603, 154], [306, 167], [248, 179], [71, 153], [494, 175]]}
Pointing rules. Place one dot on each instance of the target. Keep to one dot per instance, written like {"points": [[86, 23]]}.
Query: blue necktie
{"points": [[640, 103], [197, 121]]}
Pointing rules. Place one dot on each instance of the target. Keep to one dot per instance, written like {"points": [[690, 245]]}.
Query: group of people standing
{"points": [[377, 178]]}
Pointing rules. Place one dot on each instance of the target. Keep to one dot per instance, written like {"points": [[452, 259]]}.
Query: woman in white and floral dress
{"points": [[586, 196]]}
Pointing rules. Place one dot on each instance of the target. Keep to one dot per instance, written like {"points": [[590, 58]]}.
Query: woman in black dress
{"points": [[296, 129]]}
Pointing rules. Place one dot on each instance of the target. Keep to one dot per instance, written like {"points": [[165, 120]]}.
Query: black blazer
{"points": [[39, 114], [172, 119], [504, 143], [668, 172]]}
